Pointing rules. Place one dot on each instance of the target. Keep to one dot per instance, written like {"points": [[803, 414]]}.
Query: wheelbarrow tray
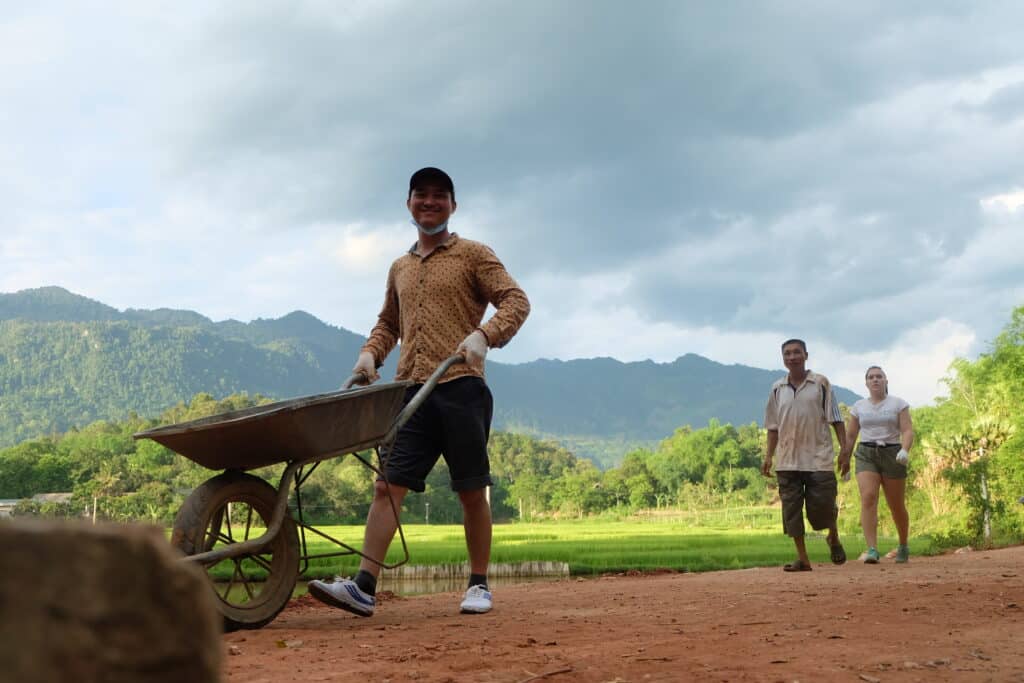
{"points": [[306, 428]]}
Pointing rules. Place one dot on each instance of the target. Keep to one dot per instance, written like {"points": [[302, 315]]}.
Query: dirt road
{"points": [[958, 617]]}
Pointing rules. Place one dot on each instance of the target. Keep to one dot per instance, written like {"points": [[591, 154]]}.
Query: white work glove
{"points": [[474, 348], [903, 457], [367, 367]]}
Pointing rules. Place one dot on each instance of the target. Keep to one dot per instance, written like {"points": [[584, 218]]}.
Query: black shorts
{"points": [[454, 421]]}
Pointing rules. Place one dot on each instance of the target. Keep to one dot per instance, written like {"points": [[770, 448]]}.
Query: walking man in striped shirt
{"points": [[801, 407], [437, 293]]}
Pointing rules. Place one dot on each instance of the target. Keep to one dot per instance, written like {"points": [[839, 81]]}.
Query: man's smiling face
{"points": [[430, 206]]}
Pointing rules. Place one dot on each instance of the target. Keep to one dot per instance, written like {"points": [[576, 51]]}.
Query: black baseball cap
{"points": [[432, 177]]}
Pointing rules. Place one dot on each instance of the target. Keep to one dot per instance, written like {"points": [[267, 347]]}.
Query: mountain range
{"points": [[67, 360]]}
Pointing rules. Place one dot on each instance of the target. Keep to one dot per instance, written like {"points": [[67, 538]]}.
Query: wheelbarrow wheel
{"points": [[230, 508]]}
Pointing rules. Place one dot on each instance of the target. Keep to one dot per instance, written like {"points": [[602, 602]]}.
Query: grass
{"points": [[695, 541], [681, 541]]}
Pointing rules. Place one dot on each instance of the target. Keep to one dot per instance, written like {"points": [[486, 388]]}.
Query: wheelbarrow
{"points": [[237, 525]]}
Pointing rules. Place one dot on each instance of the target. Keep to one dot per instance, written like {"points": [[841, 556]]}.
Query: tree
{"points": [[971, 454], [107, 482], [579, 491]]}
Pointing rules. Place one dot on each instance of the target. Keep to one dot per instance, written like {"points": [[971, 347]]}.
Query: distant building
{"points": [[52, 498], [7, 505]]}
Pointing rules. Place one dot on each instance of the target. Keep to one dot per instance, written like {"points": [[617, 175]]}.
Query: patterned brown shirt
{"points": [[434, 302]]}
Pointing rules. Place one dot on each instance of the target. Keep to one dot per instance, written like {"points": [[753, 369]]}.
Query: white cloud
{"points": [[361, 250], [915, 364], [1006, 202]]}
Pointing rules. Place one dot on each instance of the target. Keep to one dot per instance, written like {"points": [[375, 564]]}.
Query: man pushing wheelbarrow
{"points": [[436, 296]]}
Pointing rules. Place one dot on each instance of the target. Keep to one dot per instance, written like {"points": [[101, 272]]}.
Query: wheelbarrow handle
{"points": [[420, 396], [356, 378]]}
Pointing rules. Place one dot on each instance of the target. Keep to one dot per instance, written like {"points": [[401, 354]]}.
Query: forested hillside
{"points": [[66, 361], [58, 375]]}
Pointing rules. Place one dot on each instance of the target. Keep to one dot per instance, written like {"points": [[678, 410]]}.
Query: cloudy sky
{"points": [[661, 177]]}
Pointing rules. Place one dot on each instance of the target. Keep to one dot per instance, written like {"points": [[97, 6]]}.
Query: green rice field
{"points": [[701, 541], [694, 541]]}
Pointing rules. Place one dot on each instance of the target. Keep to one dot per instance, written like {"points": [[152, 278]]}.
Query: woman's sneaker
{"points": [[902, 554], [343, 593], [871, 556], [476, 601]]}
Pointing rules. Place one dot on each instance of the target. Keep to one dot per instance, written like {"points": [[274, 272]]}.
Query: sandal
{"points": [[837, 553], [796, 566]]}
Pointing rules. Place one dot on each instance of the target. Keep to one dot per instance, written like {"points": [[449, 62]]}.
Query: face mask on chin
{"points": [[429, 231]]}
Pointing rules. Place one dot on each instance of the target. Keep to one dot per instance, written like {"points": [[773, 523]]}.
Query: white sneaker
{"points": [[343, 593], [477, 600]]}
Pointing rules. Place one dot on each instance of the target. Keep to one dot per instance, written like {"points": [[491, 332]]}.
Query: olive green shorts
{"points": [[814, 490], [880, 460]]}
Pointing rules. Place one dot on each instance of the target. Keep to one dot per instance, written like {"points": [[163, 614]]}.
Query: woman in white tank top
{"points": [[886, 436]]}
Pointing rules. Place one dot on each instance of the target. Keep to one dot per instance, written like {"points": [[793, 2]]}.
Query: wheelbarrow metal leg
{"points": [[253, 546]]}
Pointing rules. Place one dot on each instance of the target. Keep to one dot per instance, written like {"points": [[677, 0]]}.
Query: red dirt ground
{"points": [[958, 617]]}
